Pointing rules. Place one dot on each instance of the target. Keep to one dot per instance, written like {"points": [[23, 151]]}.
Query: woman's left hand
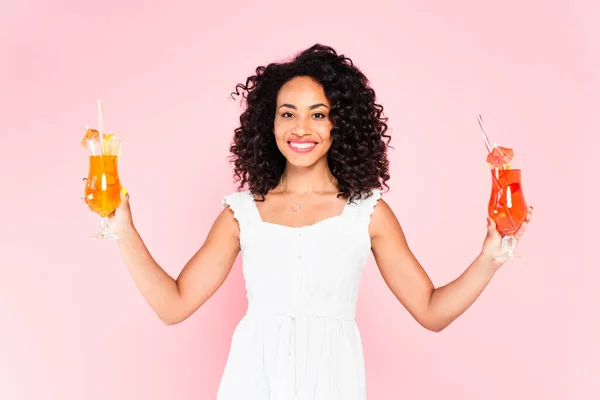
{"points": [[492, 244]]}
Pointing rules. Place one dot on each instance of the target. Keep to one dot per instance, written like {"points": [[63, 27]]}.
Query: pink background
{"points": [[73, 325]]}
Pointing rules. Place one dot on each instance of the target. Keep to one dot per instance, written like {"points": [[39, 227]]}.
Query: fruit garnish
{"points": [[90, 134], [110, 141], [94, 134], [111, 145]]}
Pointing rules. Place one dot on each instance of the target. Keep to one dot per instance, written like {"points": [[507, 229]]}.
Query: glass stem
{"points": [[509, 243], [104, 226]]}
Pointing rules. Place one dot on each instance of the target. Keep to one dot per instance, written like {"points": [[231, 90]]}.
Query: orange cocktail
{"points": [[102, 191], [507, 206], [103, 186]]}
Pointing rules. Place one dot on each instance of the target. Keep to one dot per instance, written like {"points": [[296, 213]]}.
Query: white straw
{"points": [[100, 127]]}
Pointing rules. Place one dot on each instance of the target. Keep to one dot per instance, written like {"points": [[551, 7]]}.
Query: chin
{"points": [[301, 163]]}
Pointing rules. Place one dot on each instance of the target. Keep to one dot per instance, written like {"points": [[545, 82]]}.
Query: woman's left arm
{"points": [[433, 308]]}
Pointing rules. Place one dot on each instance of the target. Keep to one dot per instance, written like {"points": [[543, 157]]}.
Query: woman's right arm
{"points": [[175, 300]]}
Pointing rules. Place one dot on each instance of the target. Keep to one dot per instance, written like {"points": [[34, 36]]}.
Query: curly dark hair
{"points": [[358, 153]]}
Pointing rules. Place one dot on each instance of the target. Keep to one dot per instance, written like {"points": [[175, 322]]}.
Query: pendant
{"points": [[296, 207]]}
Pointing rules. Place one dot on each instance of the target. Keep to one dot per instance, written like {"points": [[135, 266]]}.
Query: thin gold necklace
{"points": [[296, 206]]}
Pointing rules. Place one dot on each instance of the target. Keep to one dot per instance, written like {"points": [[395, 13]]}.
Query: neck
{"points": [[301, 181]]}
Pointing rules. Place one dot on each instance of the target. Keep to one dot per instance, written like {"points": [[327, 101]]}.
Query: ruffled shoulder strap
{"points": [[367, 205], [362, 209], [243, 207]]}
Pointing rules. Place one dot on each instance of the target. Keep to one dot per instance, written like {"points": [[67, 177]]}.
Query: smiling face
{"points": [[302, 126]]}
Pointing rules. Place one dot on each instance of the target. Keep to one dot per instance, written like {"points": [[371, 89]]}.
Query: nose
{"points": [[301, 128]]}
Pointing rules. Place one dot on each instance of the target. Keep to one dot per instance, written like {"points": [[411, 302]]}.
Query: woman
{"points": [[311, 149]]}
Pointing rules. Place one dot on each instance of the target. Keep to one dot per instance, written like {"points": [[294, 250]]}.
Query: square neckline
{"points": [[263, 222]]}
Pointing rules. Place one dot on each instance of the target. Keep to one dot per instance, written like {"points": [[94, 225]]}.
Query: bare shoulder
{"points": [[226, 224], [383, 220]]}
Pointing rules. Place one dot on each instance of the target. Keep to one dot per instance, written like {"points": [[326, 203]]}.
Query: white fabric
{"points": [[298, 339]]}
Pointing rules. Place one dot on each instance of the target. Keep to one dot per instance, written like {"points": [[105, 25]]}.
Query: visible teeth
{"points": [[302, 145]]}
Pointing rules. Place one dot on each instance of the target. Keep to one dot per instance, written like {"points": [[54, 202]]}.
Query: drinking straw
{"points": [[485, 136], [100, 127], [100, 134]]}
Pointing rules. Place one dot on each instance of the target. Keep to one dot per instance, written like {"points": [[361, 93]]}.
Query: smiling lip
{"points": [[301, 146]]}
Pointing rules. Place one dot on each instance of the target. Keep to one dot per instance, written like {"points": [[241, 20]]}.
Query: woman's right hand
{"points": [[120, 220]]}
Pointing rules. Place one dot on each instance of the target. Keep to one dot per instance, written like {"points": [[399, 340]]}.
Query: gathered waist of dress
{"points": [[338, 310]]}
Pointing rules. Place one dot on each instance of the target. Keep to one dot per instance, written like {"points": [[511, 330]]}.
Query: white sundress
{"points": [[299, 339]]}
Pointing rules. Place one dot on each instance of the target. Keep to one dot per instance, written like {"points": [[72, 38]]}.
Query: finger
{"points": [[84, 180], [82, 198], [123, 205], [529, 214], [124, 199], [84, 201], [492, 231], [521, 231], [124, 194]]}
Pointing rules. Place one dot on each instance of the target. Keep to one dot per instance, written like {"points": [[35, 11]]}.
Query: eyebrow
{"points": [[310, 108]]}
